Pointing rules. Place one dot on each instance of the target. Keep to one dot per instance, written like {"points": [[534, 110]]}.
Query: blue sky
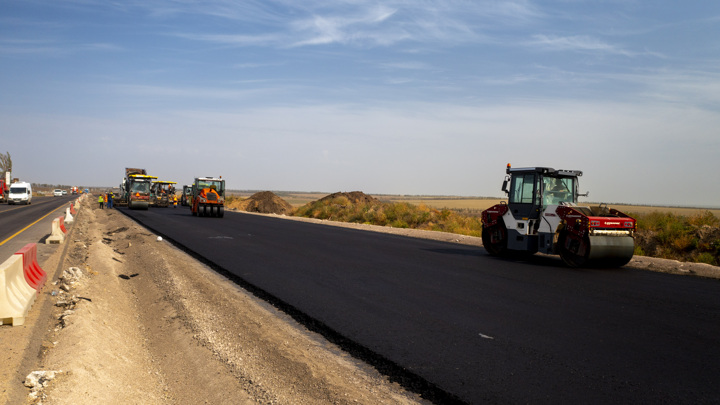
{"points": [[392, 97]]}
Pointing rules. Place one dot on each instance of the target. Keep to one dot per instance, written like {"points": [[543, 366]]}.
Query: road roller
{"points": [[542, 214], [208, 197]]}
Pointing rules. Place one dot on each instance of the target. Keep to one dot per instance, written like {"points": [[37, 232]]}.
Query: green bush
{"points": [[398, 215], [678, 236]]}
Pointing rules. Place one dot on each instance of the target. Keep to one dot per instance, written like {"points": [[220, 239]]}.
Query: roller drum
{"points": [[611, 251]]}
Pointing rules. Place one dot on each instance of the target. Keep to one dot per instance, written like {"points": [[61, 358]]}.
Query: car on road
{"points": [[20, 193], [57, 193], [64, 192]]}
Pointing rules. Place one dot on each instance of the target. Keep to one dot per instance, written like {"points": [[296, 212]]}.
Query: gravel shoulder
{"points": [[144, 323]]}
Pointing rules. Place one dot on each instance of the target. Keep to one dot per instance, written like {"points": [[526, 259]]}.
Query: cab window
{"points": [[522, 189]]}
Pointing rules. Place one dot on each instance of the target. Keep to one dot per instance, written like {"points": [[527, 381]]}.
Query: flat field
{"points": [[473, 204]]}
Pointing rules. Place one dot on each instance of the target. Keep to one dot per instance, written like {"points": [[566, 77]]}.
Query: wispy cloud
{"points": [[234, 39], [365, 24], [579, 43], [51, 47], [408, 65], [582, 43], [182, 92]]}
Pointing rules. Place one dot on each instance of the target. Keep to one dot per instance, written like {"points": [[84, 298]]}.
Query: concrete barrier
{"points": [[57, 235], [35, 276], [68, 217], [62, 225], [16, 296], [72, 209]]}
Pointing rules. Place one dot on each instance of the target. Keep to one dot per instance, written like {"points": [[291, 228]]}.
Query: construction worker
{"points": [[110, 199], [101, 201], [174, 201]]}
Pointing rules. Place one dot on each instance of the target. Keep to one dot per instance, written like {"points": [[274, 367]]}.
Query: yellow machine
{"points": [[139, 186], [162, 193]]}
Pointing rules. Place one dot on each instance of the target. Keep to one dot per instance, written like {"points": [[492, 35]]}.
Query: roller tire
{"points": [[221, 211], [497, 248]]}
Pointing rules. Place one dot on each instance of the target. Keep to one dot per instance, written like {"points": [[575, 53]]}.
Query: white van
{"points": [[20, 193]]}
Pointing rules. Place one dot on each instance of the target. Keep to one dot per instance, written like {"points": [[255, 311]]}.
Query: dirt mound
{"points": [[265, 202], [355, 197]]}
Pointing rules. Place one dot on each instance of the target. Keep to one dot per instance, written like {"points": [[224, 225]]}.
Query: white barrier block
{"points": [[16, 296], [68, 216], [57, 235]]}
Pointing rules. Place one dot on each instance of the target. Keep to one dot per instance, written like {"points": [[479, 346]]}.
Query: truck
{"points": [[542, 214], [208, 197], [5, 187]]}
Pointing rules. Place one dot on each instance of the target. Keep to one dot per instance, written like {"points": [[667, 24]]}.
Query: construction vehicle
{"points": [[139, 191], [161, 193], [186, 196], [542, 215], [5, 187], [122, 199], [208, 197]]}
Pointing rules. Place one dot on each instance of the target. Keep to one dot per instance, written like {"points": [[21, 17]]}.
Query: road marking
{"points": [[22, 230], [486, 336]]}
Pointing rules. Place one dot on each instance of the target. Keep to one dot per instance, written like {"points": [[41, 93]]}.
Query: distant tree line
{"points": [[49, 186]]}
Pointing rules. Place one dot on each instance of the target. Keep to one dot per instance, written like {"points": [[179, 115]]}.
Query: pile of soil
{"points": [[355, 197], [266, 202]]}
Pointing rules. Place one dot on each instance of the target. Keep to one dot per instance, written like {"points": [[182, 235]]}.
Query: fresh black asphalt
{"points": [[459, 325]]}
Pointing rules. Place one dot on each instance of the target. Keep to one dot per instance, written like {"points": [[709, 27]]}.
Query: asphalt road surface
{"points": [[459, 325], [21, 224]]}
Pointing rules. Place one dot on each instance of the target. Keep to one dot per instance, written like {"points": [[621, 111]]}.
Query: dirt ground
{"points": [[144, 323]]}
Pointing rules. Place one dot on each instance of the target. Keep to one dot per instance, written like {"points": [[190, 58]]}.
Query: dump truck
{"points": [[542, 215], [161, 193], [208, 197]]}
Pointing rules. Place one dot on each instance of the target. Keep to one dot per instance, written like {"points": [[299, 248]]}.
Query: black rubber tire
{"points": [[498, 248], [221, 211]]}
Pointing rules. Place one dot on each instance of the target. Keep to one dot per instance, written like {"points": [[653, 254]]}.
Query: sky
{"points": [[418, 97]]}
